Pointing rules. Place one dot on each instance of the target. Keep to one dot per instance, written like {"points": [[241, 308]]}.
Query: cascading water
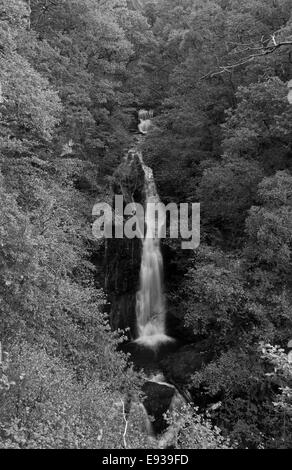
{"points": [[151, 306], [150, 301], [145, 120]]}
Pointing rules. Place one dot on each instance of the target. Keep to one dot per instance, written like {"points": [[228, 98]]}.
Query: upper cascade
{"points": [[145, 120]]}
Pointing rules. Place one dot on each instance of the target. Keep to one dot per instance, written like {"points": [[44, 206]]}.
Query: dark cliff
{"points": [[123, 256]]}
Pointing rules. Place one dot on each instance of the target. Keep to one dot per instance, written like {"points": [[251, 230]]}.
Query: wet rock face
{"points": [[128, 179], [123, 256], [157, 402], [181, 364]]}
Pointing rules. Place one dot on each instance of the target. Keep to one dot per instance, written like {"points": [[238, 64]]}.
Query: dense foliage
{"points": [[62, 68], [72, 74], [223, 138]]}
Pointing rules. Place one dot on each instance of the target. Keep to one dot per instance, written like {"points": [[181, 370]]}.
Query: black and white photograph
{"points": [[145, 228]]}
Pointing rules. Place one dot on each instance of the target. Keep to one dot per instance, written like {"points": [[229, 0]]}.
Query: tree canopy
{"points": [[73, 74]]}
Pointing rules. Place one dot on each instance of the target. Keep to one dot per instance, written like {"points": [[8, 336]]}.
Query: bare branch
{"points": [[126, 426], [264, 48]]}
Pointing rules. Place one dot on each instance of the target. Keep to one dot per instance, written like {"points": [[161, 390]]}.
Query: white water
{"points": [[150, 302], [145, 120]]}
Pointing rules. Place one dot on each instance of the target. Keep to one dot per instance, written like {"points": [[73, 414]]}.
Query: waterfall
{"points": [[150, 300], [145, 120]]}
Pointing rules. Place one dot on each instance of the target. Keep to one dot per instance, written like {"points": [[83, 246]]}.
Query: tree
{"points": [[30, 107], [259, 127], [227, 190]]}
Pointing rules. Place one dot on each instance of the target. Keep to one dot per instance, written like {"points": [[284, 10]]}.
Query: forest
{"points": [[217, 75]]}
